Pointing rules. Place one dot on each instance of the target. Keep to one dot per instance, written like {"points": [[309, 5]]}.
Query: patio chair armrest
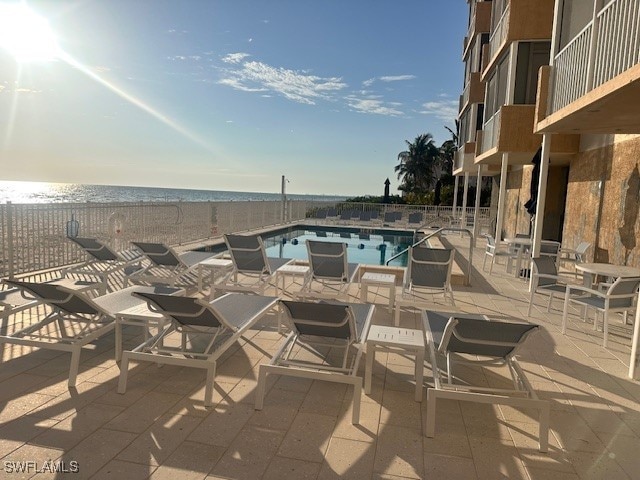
{"points": [[584, 289]]}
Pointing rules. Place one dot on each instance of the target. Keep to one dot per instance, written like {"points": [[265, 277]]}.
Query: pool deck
{"points": [[160, 429]]}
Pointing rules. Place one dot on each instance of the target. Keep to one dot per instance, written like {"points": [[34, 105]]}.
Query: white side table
{"points": [[212, 264], [378, 280], [381, 338], [291, 271]]}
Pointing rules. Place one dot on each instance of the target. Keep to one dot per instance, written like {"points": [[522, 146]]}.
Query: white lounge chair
{"points": [[482, 342], [252, 270], [104, 261], [204, 331], [619, 297], [428, 273], [330, 270], [166, 265], [74, 321], [326, 343]]}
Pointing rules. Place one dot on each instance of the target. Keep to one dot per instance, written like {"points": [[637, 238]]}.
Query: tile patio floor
{"points": [[160, 430]]}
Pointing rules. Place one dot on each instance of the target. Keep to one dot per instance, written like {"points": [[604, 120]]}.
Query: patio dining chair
{"points": [[545, 279], [331, 273], [415, 219], [551, 249], [619, 297], [252, 270], [326, 343], [166, 265], [199, 332], [493, 251], [74, 320], [477, 341], [574, 256], [104, 261], [428, 272]]}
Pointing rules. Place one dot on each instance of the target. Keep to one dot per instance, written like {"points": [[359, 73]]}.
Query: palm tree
{"points": [[446, 155], [417, 164]]}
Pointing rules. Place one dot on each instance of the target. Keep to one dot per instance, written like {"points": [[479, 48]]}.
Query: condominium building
{"points": [[568, 72]]}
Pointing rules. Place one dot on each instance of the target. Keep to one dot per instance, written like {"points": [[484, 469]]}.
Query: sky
{"points": [[229, 94]]}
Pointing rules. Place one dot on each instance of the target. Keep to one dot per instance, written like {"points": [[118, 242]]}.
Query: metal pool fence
{"points": [[33, 236]]}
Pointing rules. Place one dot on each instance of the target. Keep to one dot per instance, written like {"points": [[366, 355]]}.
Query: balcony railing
{"points": [[490, 132], [499, 34], [601, 51]]}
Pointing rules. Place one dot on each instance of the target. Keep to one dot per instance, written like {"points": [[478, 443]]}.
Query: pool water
{"points": [[370, 247]]}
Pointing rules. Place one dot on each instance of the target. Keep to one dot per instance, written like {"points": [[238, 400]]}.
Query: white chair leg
{"points": [[491, 265], [565, 311], [124, 371], [605, 327], [208, 388], [74, 367], [357, 398], [431, 413], [549, 304], [262, 381]]}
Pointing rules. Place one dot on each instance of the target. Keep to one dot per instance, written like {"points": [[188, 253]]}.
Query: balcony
{"points": [[463, 162], [510, 130], [473, 92], [521, 20], [480, 22], [596, 76]]}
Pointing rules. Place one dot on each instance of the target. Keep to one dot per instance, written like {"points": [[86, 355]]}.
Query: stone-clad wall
{"points": [[516, 218], [603, 200]]}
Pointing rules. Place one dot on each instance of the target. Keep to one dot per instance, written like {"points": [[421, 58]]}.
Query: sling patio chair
{"points": [[476, 341], [428, 272], [252, 270], [166, 265], [494, 251], [199, 332], [415, 219], [619, 297], [574, 256], [326, 343], [104, 261], [330, 270], [13, 300], [545, 279], [74, 321]]}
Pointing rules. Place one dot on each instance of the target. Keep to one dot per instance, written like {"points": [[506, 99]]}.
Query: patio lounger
{"points": [[13, 300], [329, 268], [74, 321], [326, 343], [204, 331], [166, 265], [450, 335], [104, 261], [252, 269], [389, 217], [428, 272]]}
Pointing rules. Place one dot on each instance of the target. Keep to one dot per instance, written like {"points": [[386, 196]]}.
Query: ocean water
{"points": [[40, 192]]}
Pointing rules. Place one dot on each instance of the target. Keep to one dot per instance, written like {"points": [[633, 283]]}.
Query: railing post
{"points": [[10, 256], [593, 45]]}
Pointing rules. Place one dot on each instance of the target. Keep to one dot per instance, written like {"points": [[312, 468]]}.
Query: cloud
{"points": [[396, 78], [294, 85], [235, 57], [373, 105], [182, 58], [387, 79], [443, 109]]}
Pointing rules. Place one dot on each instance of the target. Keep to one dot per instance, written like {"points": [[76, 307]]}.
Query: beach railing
{"points": [[33, 237]]}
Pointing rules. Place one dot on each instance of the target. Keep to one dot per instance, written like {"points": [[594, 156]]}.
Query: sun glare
{"points": [[26, 35]]}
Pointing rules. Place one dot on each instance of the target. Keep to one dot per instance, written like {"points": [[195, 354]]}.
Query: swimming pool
{"points": [[365, 246]]}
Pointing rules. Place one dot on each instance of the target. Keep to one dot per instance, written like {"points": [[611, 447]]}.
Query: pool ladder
{"points": [[437, 232]]}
